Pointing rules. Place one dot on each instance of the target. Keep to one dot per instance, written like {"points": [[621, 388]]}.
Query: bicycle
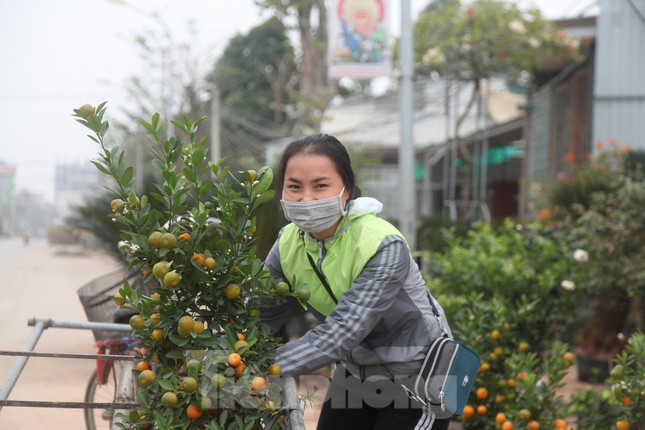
{"points": [[113, 381]]}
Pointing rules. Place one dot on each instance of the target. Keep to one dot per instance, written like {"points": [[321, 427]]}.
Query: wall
{"points": [[619, 92]]}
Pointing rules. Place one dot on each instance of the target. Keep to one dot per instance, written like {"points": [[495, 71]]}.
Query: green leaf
{"points": [[158, 164], [82, 121], [198, 156], [265, 179], [179, 125], [223, 417], [134, 296], [104, 128], [189, 174], [166, 384], [251, 424], [159, 197], [203, 139], [263, 198], [178, 340], [204, 186], [170, 178], [148, 127], [155, 121], [100, 166], [238, 422], [94, 123], [127, 176], [141, 396]]}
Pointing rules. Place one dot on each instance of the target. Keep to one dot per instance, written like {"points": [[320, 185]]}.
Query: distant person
{"points": [[376, 321], [26, 237]]}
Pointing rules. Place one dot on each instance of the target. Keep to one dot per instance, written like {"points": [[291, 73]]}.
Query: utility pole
{"points": [[216, 144], [406, 148]]}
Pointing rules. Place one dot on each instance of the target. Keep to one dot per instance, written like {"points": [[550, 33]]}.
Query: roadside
{"points": [[40, 281]]}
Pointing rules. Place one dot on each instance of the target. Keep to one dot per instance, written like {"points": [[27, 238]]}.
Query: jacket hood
{"points": [[364, 205]]}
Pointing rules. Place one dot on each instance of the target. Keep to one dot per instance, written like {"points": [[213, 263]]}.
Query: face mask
{"points": [[314, 216]]}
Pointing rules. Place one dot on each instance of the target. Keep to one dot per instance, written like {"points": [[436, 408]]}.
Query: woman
{"points": [[372, 303]]}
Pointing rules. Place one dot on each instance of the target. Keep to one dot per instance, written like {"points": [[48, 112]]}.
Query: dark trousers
{"points": [[368, 418], [352, 403]]}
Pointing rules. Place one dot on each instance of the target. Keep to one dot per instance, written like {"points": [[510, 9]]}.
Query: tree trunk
{"points": [[314, 80], [463, 149]]}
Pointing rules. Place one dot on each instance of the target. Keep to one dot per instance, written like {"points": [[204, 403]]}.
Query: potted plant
{"points": [[597, 209], [205, 361]]}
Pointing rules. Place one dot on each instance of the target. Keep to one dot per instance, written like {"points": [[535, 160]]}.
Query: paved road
{"points": [[40, 281]]}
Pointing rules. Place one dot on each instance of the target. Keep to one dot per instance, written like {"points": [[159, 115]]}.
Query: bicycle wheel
{"points": [[101, 418]]}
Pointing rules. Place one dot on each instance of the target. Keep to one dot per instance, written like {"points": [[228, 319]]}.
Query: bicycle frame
{"points": [[123, 346], [124, 390]]}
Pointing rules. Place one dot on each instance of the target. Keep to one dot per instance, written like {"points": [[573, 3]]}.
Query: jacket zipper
{"points": [[321, 254]]}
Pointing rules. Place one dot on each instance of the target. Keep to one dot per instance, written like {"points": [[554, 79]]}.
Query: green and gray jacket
{"points": [[383, 301]]}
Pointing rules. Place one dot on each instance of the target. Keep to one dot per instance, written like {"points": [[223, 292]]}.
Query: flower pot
{"points": [[592, 369]]}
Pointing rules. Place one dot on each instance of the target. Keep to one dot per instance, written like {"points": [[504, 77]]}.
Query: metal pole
{"points": [[216, 145], [20, 362], [406, 149], [296, 417], [67, 405], [66, 355], [84, 325]]}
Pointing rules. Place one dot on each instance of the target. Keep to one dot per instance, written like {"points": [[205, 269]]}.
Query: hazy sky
{"points": [[58, 55]]}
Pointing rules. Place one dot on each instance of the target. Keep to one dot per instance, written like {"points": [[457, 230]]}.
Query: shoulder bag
{"points": [[448, 371]]}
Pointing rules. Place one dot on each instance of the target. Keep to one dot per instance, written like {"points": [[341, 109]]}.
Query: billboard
{"points": [[359, 39]]}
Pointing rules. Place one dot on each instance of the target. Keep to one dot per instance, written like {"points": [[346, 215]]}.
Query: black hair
{"points": [[320, 144]]}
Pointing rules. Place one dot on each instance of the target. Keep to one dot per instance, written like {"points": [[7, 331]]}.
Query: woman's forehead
{"points": [[310, 164]]}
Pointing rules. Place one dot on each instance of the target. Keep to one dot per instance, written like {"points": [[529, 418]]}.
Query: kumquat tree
{"points": [[204, 362], [536, 300]]}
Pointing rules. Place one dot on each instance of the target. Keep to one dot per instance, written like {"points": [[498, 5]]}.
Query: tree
{"points": [[255, 76], [315, 91], [208, 360], [485, 39]]}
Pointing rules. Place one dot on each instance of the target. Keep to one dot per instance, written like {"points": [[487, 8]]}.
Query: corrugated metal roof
{"points": [[376, 121], [619, 90]]}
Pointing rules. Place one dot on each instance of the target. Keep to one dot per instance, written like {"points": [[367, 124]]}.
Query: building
{"points": [[517, 140], [73, 183], [7, 198], [575, 105], [370, 127], [618, 86]]}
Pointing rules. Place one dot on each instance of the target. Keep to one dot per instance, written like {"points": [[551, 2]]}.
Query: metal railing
{"points": [[124, 399]]}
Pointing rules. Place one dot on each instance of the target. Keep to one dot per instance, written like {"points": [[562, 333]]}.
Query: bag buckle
{"points": [[412, 395], [464, 383]]}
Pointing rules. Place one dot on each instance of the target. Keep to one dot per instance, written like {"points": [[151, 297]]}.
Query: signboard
{"points": [[359, 39]]}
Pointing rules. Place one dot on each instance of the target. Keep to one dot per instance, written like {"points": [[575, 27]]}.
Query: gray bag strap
{"points": [[411, 394], [435, 312]]}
